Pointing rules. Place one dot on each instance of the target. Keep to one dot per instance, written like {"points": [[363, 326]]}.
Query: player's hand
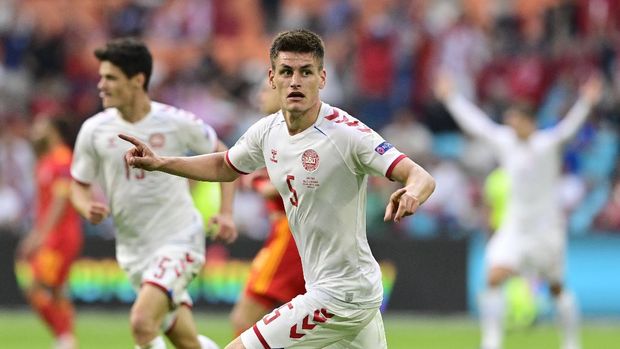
{"points": [[96, 212], [226, 230], [592, 90], [443, 86], [401, 204], [140, 156], [29, 245]]}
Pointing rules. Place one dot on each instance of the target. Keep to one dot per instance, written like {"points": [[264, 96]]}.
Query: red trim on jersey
{"points": [[233, 166], [388, 174], [332, 116], [261, 338]]}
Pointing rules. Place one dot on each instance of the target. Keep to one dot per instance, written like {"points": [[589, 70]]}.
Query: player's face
{"points": [[297, 78], [522, 124], [115, 88], [39, 134]]}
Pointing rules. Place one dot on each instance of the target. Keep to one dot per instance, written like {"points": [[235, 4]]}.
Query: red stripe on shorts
{"points": [[261, 338]]}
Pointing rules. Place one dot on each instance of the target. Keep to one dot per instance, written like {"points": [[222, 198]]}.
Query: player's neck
{"points": [[297, 122], [137, 110]]}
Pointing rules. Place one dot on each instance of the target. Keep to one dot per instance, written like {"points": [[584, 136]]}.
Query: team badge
{"points": [[157, 140], [383, 147], [310, 160]]}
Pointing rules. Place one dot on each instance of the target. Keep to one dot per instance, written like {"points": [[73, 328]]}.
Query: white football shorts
{"points": [[315, 320]]}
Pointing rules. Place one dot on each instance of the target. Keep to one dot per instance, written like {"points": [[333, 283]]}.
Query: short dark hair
{"points": [[300, 41], [130, 55], [65, 128]]}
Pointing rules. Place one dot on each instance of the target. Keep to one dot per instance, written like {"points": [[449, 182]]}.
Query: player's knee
{"points": [[142, 324], [239, 321]]}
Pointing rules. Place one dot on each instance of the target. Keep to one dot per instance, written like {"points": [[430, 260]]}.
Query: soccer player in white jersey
{"points": [[532, 235], [160, 234], [319, 158]]}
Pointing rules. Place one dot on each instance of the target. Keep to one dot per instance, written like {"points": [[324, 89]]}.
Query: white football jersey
{"points": [[533, 165], [321, 174], [149, 209]]}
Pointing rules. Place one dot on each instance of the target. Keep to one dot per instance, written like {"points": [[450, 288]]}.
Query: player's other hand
{"points": [[443, 86], [226, 230], [96, 212], [29, 245], [401, 204], [592, 89], [140, 156]]}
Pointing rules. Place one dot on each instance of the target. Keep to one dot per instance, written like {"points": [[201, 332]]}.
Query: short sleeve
{"points": [[246, 155], [200, 137], [84, 166], [375, 155]]}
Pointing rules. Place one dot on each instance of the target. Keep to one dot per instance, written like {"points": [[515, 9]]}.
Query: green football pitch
{"points": [[19, 329]]}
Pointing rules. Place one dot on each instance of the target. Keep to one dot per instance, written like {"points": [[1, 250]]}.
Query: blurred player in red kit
{"points": [[276, 275], [55, 241]]}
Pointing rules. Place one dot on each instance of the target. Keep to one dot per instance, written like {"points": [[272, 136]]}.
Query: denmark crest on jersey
{"points": [[310, 160], [157, 140]]}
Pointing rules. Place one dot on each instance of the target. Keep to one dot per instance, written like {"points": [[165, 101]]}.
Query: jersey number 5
{"points": [[138, 174], [289, 181]]}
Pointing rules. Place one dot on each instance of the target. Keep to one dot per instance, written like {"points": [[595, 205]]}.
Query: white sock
{"points": [[157, 343], [568, 320], [491, 306], [207, 343]]}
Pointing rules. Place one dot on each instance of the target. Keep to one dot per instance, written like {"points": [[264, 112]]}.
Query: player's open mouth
{"points": [[295, 95]]}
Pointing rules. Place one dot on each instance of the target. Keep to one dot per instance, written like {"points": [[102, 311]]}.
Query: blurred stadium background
{"points": [[210, 58]]}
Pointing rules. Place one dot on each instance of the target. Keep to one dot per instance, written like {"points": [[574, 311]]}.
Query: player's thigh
{"points": [[547, 257], [371, 336], [50, 266], [504, 249], [150, 307]]}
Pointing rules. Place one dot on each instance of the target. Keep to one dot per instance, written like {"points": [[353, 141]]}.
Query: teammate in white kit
{"points": [[319, 158], [160, 235], [532, 236]]}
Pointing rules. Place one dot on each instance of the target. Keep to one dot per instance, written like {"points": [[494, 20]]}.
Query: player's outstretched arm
{"points": [[467, 115], [590, 94], [207, 167], [223, 221], [419, 185]]}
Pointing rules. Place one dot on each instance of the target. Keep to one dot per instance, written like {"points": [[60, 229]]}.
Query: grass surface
{"points": [[19, 329]]}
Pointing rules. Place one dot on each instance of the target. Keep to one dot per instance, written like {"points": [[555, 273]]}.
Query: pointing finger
{"points": [[130, 139]]}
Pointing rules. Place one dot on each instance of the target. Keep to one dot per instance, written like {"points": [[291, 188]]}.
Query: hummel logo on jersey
{"points": [[274, 153], [383, 147], [112, 142]]}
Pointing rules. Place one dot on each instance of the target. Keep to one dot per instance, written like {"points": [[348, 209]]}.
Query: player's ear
{"points": [[323, 77], [138, 80], [271, 82]]}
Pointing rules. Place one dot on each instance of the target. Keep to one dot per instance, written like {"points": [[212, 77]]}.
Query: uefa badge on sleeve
{"points": [[383, 148]]}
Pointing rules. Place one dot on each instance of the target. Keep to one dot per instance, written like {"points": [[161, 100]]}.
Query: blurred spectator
{"points": [[382, 54], [410, 136]]}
